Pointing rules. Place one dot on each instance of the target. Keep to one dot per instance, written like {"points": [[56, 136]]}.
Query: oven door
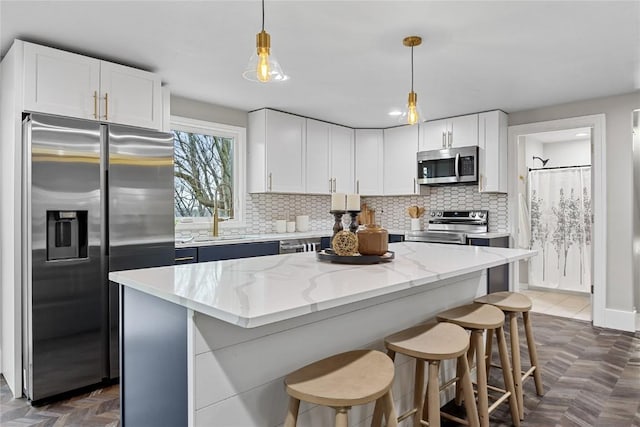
{"points": [[448, 166]]}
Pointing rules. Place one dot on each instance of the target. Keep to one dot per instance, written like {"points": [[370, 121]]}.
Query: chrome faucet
{"points": [[216, 215]]}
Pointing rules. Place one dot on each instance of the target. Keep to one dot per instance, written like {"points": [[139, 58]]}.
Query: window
{"points": [[208, 165]]}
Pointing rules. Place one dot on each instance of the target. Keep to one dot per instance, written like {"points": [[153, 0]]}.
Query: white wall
{"points": [[209, 112], [567, 153], [636, 207], [619, 169]]}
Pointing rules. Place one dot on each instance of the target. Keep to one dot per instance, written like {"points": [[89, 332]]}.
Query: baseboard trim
{"points": [[620, 319]]}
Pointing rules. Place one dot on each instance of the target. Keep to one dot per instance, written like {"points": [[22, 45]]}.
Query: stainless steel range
{"points": [[451, 227]]}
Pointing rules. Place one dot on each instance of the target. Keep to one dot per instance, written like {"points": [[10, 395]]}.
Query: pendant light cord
{"points": [[263, 17], [411, 67]]}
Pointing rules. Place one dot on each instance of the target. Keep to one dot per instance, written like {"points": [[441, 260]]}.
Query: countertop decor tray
{"points": [[330, 256]]}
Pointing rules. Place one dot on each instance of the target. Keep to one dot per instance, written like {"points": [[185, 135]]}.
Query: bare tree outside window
{"points": [[203, 172]]}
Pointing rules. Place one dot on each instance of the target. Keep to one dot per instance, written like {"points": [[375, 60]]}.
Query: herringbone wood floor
{"points": [[591, 378]]}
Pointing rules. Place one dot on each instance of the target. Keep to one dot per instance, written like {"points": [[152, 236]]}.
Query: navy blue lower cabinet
{"points": [[186, 255], [238, 250], [395, 238], [497, 277]]}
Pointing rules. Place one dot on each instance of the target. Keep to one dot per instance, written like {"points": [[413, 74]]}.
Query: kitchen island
{"points": [[208, 344]]}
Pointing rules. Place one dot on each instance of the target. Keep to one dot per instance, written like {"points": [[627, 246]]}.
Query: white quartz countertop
{"points": [[252, 292]]}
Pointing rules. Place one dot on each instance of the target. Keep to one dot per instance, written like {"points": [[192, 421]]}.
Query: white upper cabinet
{"points": [[342, 159], [72, 85], [369, 161], [329, 158], [318, 166], [276, 152], [130, 96], [459, 131], [60, 82], [400, 165], [492, 162]]}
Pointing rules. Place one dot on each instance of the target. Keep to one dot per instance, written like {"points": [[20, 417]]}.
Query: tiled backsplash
{"points": [[261, 210]]}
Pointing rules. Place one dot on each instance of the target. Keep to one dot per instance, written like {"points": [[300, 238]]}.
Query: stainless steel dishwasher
{"points": [[290, 246]]}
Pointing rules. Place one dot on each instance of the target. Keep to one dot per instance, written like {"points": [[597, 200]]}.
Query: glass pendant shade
{"points": [[263, 67], [412, 114]]}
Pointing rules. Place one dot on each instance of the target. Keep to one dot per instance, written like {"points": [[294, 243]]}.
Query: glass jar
{"points": [[373, 240]]}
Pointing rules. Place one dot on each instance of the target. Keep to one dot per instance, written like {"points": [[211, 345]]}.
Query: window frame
{"points": [[239, 134]]}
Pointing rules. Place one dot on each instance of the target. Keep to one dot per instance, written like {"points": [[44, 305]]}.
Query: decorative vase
{"points": [[373, 240]]}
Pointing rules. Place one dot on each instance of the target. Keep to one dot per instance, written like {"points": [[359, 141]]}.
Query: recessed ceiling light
{"points": [[395, 113], [582, 134]]}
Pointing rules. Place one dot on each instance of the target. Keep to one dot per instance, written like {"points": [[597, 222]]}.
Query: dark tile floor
{"points": [[591, 378]]}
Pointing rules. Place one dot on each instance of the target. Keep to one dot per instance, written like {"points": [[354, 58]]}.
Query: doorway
{"points": [[562, 275], [556, 220]]}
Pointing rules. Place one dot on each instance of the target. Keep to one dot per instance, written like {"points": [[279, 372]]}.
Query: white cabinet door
{"points": [[369, 164], [59, 82], [342, 159], [459, 131], [433, 135], [285, 136], [130, 96], [464, 131], [492, 162], [400, 164], [318, 167]]}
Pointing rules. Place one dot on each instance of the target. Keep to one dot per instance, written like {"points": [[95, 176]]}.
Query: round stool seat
{"points": [[474, 316], [347, 379], [507, 301], [435, 341]]}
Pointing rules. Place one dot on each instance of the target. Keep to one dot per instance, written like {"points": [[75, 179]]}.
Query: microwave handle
{"points": [[456, 165]]}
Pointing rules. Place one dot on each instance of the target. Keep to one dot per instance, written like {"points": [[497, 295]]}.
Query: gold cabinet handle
{"points": [[95, 104], [185, 258], [106, 106]]}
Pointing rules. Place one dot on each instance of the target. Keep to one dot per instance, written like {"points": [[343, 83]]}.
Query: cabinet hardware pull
{"points": [[95, 104], [450, 138], [270, 181], [185, 258], [444, 140], [330, 185], [334, 185], [357, 186], [106, 106]]}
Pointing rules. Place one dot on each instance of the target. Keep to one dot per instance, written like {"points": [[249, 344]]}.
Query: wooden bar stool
{"points": [[477, 318], [342, 381], [512, 303], [433, 343]]}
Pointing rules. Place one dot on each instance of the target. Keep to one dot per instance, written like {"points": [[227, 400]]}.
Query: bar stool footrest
{"points": [[407, 414]]}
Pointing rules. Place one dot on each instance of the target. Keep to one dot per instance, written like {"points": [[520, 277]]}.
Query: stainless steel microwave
{"points": [[448, 166]]}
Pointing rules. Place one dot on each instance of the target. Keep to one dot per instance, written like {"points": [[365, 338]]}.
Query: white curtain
{"points": [[561, 223]]}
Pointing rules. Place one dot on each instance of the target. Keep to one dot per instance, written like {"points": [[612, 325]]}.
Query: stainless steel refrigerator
{"points": [[96, 198]]}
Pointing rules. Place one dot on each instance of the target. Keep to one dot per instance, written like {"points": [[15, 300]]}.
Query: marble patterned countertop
{"points": [[252, 292]]}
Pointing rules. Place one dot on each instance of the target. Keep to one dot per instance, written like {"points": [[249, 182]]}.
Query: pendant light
{"points": [[263, 67], [412, 113]]}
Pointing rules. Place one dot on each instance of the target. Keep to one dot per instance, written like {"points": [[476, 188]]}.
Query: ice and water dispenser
{"points": [[66, 235]]}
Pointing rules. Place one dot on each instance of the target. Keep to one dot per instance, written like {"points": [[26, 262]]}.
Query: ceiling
{"points": [[346, 59]]}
